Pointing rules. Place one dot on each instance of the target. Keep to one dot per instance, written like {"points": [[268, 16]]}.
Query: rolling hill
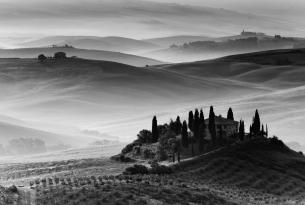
{"points": [[77, 96], [260, 171], [211, 48], [110, 43], [81, 53]]}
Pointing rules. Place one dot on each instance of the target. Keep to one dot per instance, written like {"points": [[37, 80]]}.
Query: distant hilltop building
{"points": [[224, 127], [250, 33]]}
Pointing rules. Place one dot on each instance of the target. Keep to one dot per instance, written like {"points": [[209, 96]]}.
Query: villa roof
{"points": [[223, 121]]}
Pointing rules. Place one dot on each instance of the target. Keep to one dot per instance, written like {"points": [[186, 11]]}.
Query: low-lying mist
{"points": [[77, 102]]}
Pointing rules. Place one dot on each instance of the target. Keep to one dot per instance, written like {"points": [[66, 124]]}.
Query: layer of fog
{"points": [[79, 106], [136, 19]]}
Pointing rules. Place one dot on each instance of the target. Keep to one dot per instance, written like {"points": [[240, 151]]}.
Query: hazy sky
{"points": [[145, 19]]}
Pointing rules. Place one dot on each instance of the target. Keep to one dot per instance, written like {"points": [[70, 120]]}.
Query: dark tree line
{"points": [[57, 56]]}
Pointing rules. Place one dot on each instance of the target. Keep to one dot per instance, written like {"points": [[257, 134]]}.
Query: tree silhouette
{"points": [[241, 132], [191, 120], [154, 130], [60, 55], [196, 125], [172, 126], [184, 137], [212, 127], [178, 126], [256, 126], [201, 117], [250, 132], [145, 136], [230, 115], [42, 58]]}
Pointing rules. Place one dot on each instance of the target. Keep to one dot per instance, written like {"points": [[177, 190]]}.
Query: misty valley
{"points": [[150, 102]]}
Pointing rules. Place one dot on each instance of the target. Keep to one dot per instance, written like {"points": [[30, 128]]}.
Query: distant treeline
{"points": [[57, 56], [250, 43]]}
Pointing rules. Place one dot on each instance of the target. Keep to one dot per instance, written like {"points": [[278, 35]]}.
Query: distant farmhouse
{"points": [[225, 128]]}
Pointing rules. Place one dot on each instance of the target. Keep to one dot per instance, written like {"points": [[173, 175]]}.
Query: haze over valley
{"points": [[152, 102], [82, 99]]}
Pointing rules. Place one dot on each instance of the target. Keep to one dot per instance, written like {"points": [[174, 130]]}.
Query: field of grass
{"points": [[262, 171]]}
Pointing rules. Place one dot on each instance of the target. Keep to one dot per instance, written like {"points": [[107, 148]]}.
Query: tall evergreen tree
{"points": [[172, 126], [250, 132], [191, 120], [154, 130], [241, 133], [178, 126], [212, 126], [256, 126], [263, 131], [196, 125], [230, 115], [201, 117], [184, 137]]}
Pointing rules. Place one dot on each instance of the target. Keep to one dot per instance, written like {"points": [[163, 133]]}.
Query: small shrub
{"points": [[160, 169], [128, 148], [136, 169], [148, 154], [13, 189]]}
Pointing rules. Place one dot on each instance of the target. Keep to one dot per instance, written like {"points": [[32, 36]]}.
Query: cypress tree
{"points": [[256, 126], [263, 131], [184, 137], [178, 126], [172, 126], [154, 130], [201, 117], [230, 115], [212, 127], [241, 132], [250, 132], [191, 120], [196, 125]]}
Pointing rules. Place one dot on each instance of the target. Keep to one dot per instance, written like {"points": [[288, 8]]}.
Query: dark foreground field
{"points": [[261, 171]]}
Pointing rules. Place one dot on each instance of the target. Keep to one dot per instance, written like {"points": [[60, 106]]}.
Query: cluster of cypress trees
{"points": [[256, 128], [196, 124]]}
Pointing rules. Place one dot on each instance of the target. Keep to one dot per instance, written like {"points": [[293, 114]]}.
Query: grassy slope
{"points": [[252, 67], [261, 171], [262, 168]]}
